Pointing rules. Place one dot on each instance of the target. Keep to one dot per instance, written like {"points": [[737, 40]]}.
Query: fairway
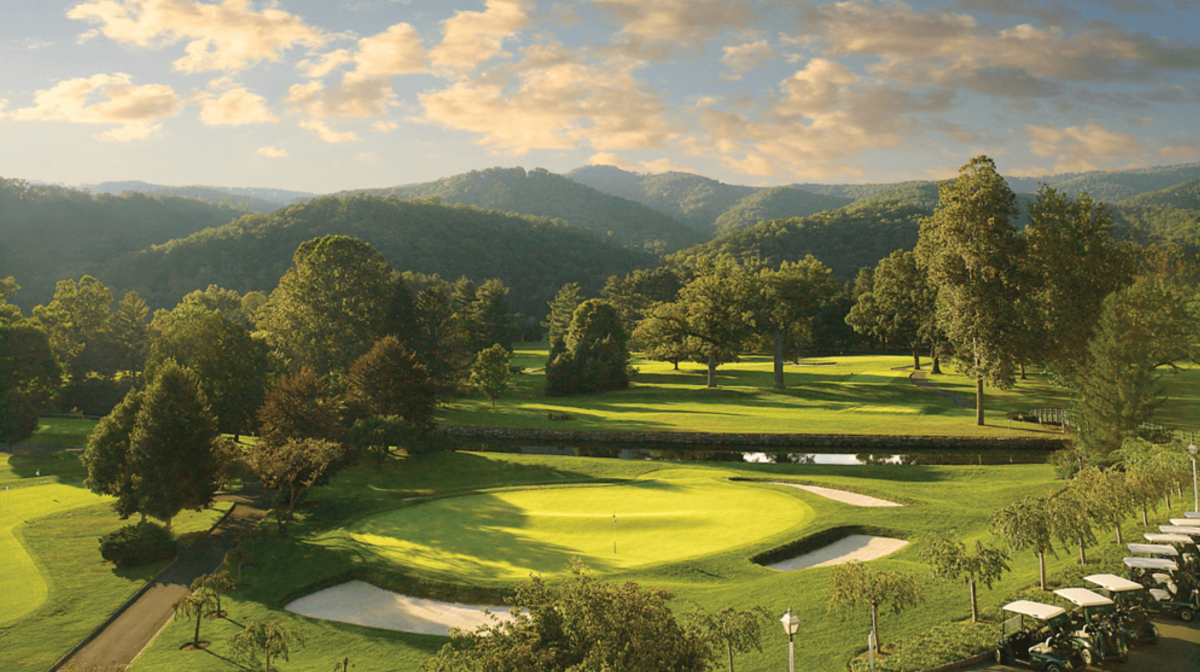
{"points": [[507, 535]]}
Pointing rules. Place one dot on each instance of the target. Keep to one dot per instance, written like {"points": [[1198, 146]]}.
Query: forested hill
{"points": [[50, 233], [247, 199], [533, 256], [692, 199], [545, 194], [1113, 187], [845, 240], [1185, 195], [775, 203]]}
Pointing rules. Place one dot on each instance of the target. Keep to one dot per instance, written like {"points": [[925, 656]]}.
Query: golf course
{"points": [[464, 527]]}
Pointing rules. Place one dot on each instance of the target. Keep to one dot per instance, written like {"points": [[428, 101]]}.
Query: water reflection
{"points": [[757, 455]]}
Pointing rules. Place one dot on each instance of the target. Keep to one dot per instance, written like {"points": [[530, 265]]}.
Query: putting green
{"points": [[20, 582], [507, 535]]}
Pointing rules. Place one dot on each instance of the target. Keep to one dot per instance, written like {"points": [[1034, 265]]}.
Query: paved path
{"points": [[124, 638], [920, 379], [1178, 650]]}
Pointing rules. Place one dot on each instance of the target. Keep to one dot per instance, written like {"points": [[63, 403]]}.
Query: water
{"points": [[749, 454]]}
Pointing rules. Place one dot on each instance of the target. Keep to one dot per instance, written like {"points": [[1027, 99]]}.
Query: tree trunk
{"points": [[1119, 540], [974, 604], [979, 401], [779, 359], [936, 367], [1082, 554], [712, 369], [268, 661], [875, 626], [1041, 556], [196, 639], [1023, 376], [1144, 522], [729, 653]]}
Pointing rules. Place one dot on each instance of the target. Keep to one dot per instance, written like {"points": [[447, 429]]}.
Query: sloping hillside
{"points": [[533, 256], [544, 194], [775, 203], [692, 199], [1112, 187], [1185, 195], [50, 233]]}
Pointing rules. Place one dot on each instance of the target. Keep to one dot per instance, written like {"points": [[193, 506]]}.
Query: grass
{"points": [[834, 395], [56, 587], [960, 497], [62, 432]]}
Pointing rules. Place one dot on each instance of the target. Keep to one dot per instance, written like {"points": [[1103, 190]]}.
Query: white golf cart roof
{"points": [[1186, 522], [1168, 538], [1152, 563], [1037, 610], [1082, 597], [1153, 549], [1117, 584], [1180, 529], [1191, 514]]}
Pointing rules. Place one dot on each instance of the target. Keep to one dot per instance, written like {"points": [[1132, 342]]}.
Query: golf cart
{"points": [[1131, 613], [1094, 622], [1170, 595], [1187, 562], [1038, 636]]}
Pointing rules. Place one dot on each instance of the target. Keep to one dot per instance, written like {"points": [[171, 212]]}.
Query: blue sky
{"points": [[322, 95]]}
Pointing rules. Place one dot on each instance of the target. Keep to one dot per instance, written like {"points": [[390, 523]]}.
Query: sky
{"points": [[325, 95]]}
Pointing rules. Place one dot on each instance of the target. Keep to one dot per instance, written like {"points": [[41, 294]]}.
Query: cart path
{"points": [[920, 379], [123, 639]]}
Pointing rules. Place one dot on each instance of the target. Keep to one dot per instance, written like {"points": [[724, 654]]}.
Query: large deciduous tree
{"points": [[30, 376], [108, 460], [330, 308], [593, 357], [490, 372], [300, 406], [583, 624], [390, 380], [854, 585], [635, 293], [290, 469], [972, 254], [789, 298], [898, 307], [1027, 524]]}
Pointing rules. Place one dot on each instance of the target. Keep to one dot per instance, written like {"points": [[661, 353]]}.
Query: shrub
{"points": [[137, 544]]}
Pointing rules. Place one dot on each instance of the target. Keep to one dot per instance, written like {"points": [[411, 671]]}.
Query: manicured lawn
{"points": [[321, 552], [64, 432], [56, 587]]}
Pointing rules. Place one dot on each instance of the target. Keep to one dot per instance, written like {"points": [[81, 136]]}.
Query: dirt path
{"points": [[920, 379], [121, 640]]}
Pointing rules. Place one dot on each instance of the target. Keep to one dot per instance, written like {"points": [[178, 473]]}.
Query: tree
{"points": [[854, 585], [390, 380], [172, 445], [1107, 495], [898, 307], [266, 637], [491, 319], [1141, 328], [108, 460], [562, 309], [583, 624], [8, 312], [328, 309], [1070, 520], [1074, 263], [948, 559], [130, 333], [972, 256], [789, 297], [737, 631], [1026, 524], [194, 605], [657, 337], [1145, 472], [229, 363], [216, 583], [77, 322], [490, 372], [290, 469], [713, 314], [441, 340], [30, 377], [635, 293], [300, 406], [594, 357]]}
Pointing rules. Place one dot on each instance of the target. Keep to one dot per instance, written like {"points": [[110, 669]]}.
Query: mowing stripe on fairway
{"points": [[507, 535]]}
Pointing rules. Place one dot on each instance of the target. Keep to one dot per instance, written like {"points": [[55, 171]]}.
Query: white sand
{"points": [[361, 603], [843, 496], [854, 547]]}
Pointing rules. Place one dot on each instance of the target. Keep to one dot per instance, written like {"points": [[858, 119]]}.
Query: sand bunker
{"points": [[843, 496], [854, 547], [361, 603]]}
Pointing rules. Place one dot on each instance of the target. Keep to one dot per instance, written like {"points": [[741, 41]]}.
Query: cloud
{"points": [[385, 126], [327, 134], [366, 157], [134, 107], [745, 57], [365, 91], [654, 28], [324, 64], [395, 51], [1181, 153], [470, 38], [226, 36], [272, 152], [551, 100], [663, 165], [1080, 149], [3, 104], [234, 107]]}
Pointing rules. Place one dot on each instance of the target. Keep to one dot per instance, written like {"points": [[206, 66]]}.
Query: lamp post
{"points": [[790, 625], [1195, 499]]}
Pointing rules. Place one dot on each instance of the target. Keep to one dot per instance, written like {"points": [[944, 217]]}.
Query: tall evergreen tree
{"points": [[562, 309], [593, 357], [130, 333], [972, 254]]}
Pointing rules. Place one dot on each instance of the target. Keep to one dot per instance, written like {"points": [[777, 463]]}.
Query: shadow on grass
{"points": [[64, 466]]}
